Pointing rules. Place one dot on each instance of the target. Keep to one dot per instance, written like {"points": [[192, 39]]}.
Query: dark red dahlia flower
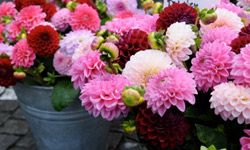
{"points": [[44, 40], [245, 31], [49, 9], [20, 4], [177, 12], [6, 72], [89, 2], [162, 132], [239, 43], [131, 42]]}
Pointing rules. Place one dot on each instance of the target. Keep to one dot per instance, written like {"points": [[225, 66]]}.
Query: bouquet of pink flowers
{"points": [[180, 76]]}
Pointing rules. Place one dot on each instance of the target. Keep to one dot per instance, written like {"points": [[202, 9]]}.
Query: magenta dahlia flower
{"points": [[218, 35], [171, 87], [241, 67], [85, 68], [85, 17], [212, 65], [61, 19], [7, 9], [245, 141], [62, 63], [30, 16], [102, 96], [23, 55]]}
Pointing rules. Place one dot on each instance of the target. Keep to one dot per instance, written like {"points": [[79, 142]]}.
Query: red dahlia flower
{"points": [[49, 9], [20, 4], [239, 43], [162, 132], [44, 40], [131, 42], [177, 12], [6, 72]]}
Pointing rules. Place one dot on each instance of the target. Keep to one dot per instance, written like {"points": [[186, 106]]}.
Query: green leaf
{"points": [[63, 94], [210, 136]]}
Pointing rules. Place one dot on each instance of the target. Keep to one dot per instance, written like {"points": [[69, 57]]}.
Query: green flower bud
{"points": [[157, 8], [102, 33], [19, 75], [101, 6], [129, 126], [6, 19], [112, 39], [147, 4], [97, 42], [208, 16], [133, 96], [110, 50], [156, 40], [71, 5]]}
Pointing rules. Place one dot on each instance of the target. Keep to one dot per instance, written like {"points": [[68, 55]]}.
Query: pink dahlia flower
{"points": [[245, 141], [102, 96], [85, 17], [23, 55], [218, 35], [212, 65], [171, 87], [120, 26], [124, 14], [62, 63], [231, 7], [7, 9], [6, 49], [30, 16], [61, 19], [116, 6], [241, 67], [231, 101], [14, 29], [86, 68]]}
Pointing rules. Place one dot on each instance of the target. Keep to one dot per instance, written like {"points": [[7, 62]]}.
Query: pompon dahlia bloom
{"points": [[116, 6], [177, 12], [146, 23], [102, 96], [218, 35], [171, 87], [225, 18], [49, 9], [86, 68], [6, 72], [44, 40], [245, 141], [145, 64], [239, 43], [20, 4], [76, 40], [62, 63], [231, 7], [212, 65], [14, 29], [61, 19], [179, 39], [7, 9], [6, 49], [164, 132], [124, 14], [241, 67], [30, 16], [23, 55], [85, 17], [231, 101], [131, 42], [244, 3]]}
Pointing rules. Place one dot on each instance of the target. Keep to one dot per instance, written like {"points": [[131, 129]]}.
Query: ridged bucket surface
{"points": [[71, 129]]}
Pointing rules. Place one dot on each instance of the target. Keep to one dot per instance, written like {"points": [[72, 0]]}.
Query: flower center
{"points": [[3, 72], [85, 17], [45, 36], [120, 6]]}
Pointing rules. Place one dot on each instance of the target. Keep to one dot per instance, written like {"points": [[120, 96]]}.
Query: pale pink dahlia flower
{"points": [[23, 55], [102, 96], [6, 49], [30, 16], [179, 39], [231, 7], [231, 101], [61, 19], [120, 26], [8, 9], [86, 68], [212, 65], [171, 87], [221, 34], [62, 63], [85, 17], [116, 6], [144, 64], [225, 18], [245, 141], [241, 67]]}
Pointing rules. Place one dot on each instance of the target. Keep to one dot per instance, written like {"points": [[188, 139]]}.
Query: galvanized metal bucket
{"points": [[71, 129]]}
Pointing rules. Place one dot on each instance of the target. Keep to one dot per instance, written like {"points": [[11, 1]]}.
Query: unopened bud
{"points": [[129, 126], [156, 40], [109, 49], [208, 16], [133, 96], [112, 39], [71, 5], [147, 4], [19, 75], [157, 8], [97, 42], [102, 33]]}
